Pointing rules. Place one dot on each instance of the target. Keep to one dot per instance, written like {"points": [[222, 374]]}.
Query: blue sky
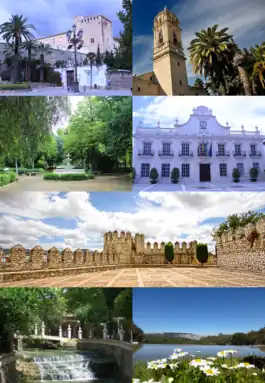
{"points": [[56, 16], [79, 220], [245, 23], [199, 311], [238, 111]]}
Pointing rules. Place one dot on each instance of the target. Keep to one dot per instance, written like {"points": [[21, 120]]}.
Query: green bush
{"points": [[4, 179], [20, 86], [13, 176], [202, 253], [175, 175], [68, 177], [253, 174], [153, 176], [169, 252], [236, 175]]}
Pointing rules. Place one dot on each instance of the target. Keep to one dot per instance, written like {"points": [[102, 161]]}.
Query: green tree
{"points": [[124, 51], [202, 253], [43, 49], [98, 58], [169, 252], [15, 31]]}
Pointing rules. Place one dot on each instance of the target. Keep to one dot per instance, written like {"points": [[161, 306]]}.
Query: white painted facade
{"points": [[99, 76], [202, 149]]}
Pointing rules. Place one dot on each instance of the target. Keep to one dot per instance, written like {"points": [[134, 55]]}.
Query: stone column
{"points": [[105, 331], [42, 329], [69, 332], [60, 332], [36, 329], [121, 333], [90, 334], [79, 333]]}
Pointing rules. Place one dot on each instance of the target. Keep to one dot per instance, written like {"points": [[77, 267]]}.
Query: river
{"points": [[157, 351]]}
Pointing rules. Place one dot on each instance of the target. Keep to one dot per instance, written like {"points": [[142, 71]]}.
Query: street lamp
{"points": [[75, 40]]}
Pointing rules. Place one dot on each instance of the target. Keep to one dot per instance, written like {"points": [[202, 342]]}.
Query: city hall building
{"points": [[202, 149]]}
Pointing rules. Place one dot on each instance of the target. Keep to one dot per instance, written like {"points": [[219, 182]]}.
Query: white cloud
{"points": [[238, 111], [160, 216]]}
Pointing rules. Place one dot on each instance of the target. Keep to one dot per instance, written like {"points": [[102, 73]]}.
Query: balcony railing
{"points": [[223, 154], [162, 153], [203, 153], [145, 153], [185, 154], [239, 154], [255, 153]]}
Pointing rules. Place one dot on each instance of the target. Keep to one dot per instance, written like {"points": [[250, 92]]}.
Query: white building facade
{"points": [[202, 149]]}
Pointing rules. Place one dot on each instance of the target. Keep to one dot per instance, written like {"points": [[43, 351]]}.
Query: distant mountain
{"points": [[175, 335]]}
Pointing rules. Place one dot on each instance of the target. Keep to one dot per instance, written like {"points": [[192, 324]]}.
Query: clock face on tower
{"points": [[203, 124]]}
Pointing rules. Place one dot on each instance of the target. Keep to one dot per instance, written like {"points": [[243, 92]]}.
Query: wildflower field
{"points": [[185, 368]]}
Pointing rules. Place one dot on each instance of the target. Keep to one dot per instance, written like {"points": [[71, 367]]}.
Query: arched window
{"points": [[160, 37], [175, 40]]}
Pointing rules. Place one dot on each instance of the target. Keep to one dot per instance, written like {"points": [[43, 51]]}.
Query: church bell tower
{"points": [[169, 62]]}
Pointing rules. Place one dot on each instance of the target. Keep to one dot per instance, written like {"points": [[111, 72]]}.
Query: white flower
{"points": [[174, 356], [210, 371], [211, 358], [246, 365], [255, 374], [198, 362], [173, 365], [136, 380], [180, 354], [177, 350], [222, 353], [231, 351], [224, 366]]}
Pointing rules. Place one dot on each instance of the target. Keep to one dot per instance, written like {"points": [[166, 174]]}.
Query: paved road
{"points": [[63, 92], [99, 183], [230, 187], [151, 277]]}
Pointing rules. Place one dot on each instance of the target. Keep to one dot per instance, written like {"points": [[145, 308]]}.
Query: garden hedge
{"points": [[20, 86], [7, 178], [68, 177]]}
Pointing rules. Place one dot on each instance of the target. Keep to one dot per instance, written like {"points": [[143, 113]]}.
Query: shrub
{"points": [[169, 252], [13, 176], [4, 179], [253, 174], [153, 176], [90, 175], [40, 164], [68, 177], [175, 175], [236, 175], [202, 253], [21, 86]]}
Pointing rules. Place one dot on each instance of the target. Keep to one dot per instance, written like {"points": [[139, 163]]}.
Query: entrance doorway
{"points": [[205, 172], [70, 78]]}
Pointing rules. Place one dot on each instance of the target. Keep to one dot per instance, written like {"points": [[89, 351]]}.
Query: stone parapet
{"points": [[243, 249]]}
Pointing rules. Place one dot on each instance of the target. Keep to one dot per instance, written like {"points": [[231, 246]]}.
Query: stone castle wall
{"points": [[243, 249], [119, 250]]}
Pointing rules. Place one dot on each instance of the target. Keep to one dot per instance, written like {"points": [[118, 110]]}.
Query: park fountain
{"points": [[65, 368], [68, 168]]}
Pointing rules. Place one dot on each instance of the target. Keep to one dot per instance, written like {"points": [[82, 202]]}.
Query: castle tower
{"points": [[169, 62]]}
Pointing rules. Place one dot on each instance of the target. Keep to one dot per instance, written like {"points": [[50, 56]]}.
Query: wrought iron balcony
{"points": [[203, 153], [162, 153], [255, 153], [186, 154], [145, 153], [239, 154], [223, 154]]}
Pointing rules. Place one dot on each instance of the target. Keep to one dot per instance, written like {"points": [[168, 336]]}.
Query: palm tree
{"points": [[43, 49], [239, 61], [30, 46], [258, 70], [198, 83], [15, 31], [91, 58], [210, 51]]}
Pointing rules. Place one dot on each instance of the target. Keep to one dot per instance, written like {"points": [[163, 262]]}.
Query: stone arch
{"points": [[160, 37]]}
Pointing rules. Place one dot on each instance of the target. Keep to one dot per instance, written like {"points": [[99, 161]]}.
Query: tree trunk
{"points": [[91, 68], [42, 68], [14, 70], [33, 164], [245, 81], [16, 166]]}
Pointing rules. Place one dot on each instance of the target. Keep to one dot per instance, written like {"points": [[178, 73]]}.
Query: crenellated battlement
{"points": [[119, 249], [243, 248]]}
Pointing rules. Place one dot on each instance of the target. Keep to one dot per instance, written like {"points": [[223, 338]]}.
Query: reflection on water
{"points": [[157, 351]]}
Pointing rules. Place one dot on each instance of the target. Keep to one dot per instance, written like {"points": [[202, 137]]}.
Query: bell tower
{"points": [[169, 62]]}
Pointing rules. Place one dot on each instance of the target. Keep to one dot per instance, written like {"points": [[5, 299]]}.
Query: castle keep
{"points": [[122, 250]]}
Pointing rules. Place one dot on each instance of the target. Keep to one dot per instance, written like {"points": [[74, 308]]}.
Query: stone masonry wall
{"points": [[243, 249], [123, 249], [8, 368]]}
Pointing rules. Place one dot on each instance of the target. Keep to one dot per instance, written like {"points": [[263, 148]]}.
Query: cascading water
{"points": [[64, 368]]}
